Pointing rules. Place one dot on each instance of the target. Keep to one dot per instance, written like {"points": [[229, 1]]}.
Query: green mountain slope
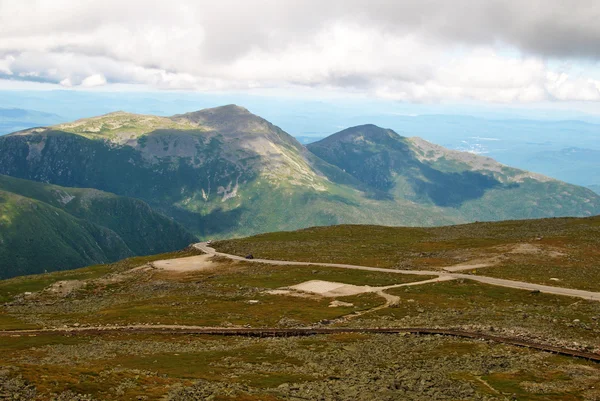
{"points": [[220, 172], [477, 187], [46, 227], [225, 172]]}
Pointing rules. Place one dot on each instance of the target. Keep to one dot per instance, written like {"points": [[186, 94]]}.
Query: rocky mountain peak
{"points": [[228, 108], [363, 133], [239, 127], [224, 118]]}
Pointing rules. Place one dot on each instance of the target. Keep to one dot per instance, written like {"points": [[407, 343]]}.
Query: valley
{"points": [[47, 227]]}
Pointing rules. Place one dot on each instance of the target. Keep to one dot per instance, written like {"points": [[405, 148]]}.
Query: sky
{"points": [[503, 53]]}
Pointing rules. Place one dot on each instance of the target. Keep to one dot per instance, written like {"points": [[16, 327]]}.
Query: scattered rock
{"points": [[336, 303]]}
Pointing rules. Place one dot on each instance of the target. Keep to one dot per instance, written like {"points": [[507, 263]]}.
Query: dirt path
{"points": [[466, 266], [440, 278], [589, 295], [334, 290], [190, 263], [389, 301]]}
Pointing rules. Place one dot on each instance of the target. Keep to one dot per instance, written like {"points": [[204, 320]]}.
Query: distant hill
{"points": [[544, 145], [47, 227], [226, 172], [573, 164], [476, 186], [12, 120], [595, 188]]}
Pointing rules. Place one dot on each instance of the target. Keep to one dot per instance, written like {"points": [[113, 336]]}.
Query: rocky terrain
{"points": [[87, 353], [359, 367]]}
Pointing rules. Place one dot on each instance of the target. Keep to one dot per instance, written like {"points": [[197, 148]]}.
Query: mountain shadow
{"points": [[380, 158]]}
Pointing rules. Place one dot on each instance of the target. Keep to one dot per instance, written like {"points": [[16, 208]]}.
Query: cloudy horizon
{"points": [[496, 52]]}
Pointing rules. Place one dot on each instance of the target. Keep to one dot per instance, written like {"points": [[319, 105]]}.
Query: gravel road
{"points": [[589, 295]]}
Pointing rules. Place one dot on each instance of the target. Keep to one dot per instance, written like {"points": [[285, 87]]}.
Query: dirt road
{"points": [[589, 295]]}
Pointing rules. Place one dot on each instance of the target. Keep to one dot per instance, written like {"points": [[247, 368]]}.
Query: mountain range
{"points": [[226, 172]]}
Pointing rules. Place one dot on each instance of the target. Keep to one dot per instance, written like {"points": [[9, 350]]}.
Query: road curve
{"points": [[521, 285]]}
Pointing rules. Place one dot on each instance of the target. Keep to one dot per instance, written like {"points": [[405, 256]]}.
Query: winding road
{"points": [[589, 295]]}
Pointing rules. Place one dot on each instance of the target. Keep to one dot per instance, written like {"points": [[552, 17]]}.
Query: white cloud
{"points": [[415, 51], [562, 87], [94, 80]]}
